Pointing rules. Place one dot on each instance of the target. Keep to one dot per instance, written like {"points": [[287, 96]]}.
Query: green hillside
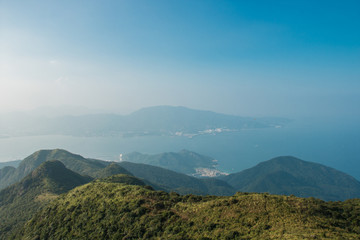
{"points": [[168, 180], [109, 210], [110, 170], [281, 175], [20, 201], [289, 175], [6, 176], [159, 178], [72, 161]]}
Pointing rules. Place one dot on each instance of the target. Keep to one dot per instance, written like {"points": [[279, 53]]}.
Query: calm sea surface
{"points": [[334, 145]]}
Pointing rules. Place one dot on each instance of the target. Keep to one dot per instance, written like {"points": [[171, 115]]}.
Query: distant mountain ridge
{"points": [[282, 175], [289, 175], [157, 177], [185, 161], [164, 179], [159, 120]]}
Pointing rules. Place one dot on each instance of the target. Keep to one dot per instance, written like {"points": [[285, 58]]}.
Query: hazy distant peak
{"points": [[168, 109]]}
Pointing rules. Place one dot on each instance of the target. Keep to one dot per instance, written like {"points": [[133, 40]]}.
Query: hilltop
{"points": [[289, 175], [74, 162]]}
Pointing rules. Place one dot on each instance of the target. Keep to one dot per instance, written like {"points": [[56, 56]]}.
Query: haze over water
{"points": [[293, 59], [334, 146]]}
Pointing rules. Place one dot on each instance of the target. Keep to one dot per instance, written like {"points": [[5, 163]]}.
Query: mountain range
{"points": [[159, 178], [282, 175], [160, 120], [47, 173]]}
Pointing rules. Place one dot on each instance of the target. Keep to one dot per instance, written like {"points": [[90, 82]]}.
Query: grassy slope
{"points": [[107, 210]]}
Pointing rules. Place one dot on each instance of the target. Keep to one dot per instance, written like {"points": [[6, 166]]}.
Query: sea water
{"points": [[335, 145]]}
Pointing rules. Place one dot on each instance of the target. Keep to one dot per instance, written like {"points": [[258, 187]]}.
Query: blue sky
{"points": [[255, 58]]}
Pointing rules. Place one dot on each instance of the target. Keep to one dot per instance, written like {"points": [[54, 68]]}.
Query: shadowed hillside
{"points": [[20, 201], [289, 175], [72, 161], [159, 178], [172, 181]]}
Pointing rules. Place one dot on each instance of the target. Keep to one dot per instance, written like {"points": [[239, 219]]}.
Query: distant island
{"points": [[151, 121]]}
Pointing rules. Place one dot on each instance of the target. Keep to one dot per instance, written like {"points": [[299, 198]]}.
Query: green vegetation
{"points": [[289, 175], [72, 161], [160, 178], [111, 170], [184, 162], [19, 202], [6, 173], [107, 209], [122, 178], [282, 175]]}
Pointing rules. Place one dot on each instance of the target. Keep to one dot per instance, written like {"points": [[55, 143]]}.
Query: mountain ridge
{"points": [[72, 161], [308, 179], [282, 175], [152, 175]]}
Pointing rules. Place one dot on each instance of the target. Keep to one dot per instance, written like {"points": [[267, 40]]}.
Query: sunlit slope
{"points": [[111, 210]]}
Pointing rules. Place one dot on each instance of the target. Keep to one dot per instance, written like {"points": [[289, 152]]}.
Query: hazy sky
{"points": [[277, 58]]}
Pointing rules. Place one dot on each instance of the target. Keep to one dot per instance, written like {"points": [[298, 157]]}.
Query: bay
{"points": [[334, 145]]}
